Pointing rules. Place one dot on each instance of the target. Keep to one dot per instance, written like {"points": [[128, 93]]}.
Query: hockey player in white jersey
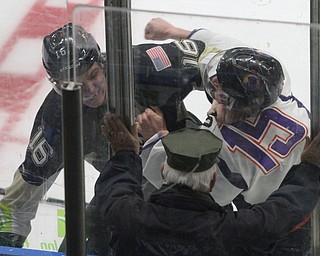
{"points": [[263, 125]]}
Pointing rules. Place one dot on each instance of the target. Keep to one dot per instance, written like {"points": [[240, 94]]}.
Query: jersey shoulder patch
{"points": [[159, 58]]}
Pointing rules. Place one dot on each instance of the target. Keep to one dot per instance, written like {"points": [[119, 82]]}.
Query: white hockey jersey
{"points": [[256, 153]]}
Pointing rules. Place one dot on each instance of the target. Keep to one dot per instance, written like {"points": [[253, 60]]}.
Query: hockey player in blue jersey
{"points": [[164, 86]]}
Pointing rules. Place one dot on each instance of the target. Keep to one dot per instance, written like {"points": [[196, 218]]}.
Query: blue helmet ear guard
{"points": [[57, 52], [255, 79]]}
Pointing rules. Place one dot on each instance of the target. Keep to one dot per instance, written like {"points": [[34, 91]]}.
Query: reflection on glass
{"points": [[263, 131]]}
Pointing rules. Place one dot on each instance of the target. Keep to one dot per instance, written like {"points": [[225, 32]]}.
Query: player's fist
{"points": [[150, 122], [159, 29]]}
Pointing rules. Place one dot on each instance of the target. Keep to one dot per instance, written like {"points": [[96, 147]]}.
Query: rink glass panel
{"points": [[289, 42]]}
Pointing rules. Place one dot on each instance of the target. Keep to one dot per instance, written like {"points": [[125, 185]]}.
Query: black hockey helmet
{"points": [[57, 53], [252, 78]]}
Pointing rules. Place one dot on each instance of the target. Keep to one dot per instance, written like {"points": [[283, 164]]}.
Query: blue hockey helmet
{"points": [[57, 53]]}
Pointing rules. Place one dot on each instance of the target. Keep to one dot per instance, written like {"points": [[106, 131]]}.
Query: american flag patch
{"points": [[159, 58]]}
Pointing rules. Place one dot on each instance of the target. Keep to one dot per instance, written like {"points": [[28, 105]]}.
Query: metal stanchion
{"points": [[119, 59], [315, 108], [73, 170]]}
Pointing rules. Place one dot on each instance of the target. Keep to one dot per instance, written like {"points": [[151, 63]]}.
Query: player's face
{"points": [[215, 90], [223, 104], [94, 86]]}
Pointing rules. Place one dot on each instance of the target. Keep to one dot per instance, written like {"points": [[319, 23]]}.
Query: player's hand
{"points": [[311, 153], [150, 122], [159, 29], [118, 135]]}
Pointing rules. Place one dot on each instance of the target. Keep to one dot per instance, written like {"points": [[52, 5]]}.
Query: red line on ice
{"points": [[17, 91]]}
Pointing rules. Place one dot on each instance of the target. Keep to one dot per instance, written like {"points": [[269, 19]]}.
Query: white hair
{"points": [[199, 181]]}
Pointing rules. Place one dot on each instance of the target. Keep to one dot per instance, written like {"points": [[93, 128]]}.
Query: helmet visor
{"points": [[215, 91]]}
